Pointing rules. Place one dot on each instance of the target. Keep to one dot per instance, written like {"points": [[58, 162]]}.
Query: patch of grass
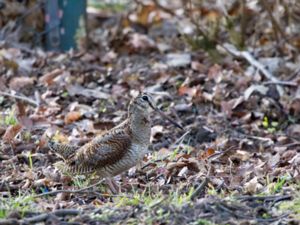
{"points": [[293, 206], [104, 215], [102, 107], [21, 203], [271, 127], [220, 193], [65, 94], [114, 6], [277, 187], [203, 222], [149, 200], [30, 160], [82, 181], [9, 119], [26, 136]]}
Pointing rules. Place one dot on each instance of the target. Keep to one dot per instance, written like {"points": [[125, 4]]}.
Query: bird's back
{"points": [[107, 155]]}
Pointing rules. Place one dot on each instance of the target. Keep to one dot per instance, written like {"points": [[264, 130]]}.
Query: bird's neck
{"points": [[140, 126]]}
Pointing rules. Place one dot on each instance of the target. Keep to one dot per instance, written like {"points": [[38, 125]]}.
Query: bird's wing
{"points": [[63, 150], [100, 152]]}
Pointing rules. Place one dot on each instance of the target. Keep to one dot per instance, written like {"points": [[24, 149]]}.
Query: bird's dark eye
{"points": [[145, 98]]}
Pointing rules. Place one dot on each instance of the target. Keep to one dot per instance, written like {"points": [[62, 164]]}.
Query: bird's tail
{"points": [[63, 150], [63, 168]]}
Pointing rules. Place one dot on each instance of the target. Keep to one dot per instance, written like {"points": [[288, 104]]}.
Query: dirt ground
{"points": [[229, 74]]}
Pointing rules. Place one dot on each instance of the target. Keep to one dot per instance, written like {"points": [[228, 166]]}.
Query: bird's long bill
{"points": [[165, 116]]}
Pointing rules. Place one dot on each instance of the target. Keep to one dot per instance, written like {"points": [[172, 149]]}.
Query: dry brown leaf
{"points": [[23, 119], [79, 90], [253, 186], [197, 66], [143, 16], [49, 77], [190, 91], [140, 43], [17, 83], [11, 132], [241, 155], [173, 165], [72, 117], [208, 152], [228, 106]]}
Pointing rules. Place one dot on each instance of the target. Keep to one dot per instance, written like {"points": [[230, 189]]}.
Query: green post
{"points": [[64, 20]]}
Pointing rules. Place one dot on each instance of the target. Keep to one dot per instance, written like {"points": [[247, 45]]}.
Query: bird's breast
{"points": [[133, 155]]}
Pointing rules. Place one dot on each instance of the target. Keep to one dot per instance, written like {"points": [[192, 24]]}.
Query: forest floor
{"points": [[236, 161]]}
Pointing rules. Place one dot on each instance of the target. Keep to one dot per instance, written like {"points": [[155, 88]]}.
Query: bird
{"points": [[115, 151]]}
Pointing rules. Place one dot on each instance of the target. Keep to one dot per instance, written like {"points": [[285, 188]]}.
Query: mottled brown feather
{"points": [[100, 152], [118, 149], [63, 150]]}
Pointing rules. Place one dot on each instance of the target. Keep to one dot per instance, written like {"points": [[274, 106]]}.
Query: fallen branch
{"points": [[202, 185], [246, 55], [8, 222], [82, 190], [273, 219], [45, 216], [265, 198], [284, 83], [24, 98]]}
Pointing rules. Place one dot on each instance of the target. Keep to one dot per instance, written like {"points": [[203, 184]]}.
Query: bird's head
{"points": [[143, 104]]}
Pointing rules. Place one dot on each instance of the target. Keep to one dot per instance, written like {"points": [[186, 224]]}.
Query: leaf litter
{"points": [[237, 162]]}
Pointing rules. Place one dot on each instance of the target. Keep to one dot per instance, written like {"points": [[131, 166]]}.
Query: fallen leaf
{"points": [[72, 117], [253, 186], [179, 59], [258, 88], [140, 43], [49, 77], [190, 91], [11, 132], [183, 171], [241, 155], [79, 90], [208, 152], [17, 83]]}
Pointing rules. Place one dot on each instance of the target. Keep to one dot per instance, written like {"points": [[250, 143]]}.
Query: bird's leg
{"points": [[113, 186]]}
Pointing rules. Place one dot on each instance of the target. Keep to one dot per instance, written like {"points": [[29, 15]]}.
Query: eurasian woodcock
{"points": [[118, 149]]}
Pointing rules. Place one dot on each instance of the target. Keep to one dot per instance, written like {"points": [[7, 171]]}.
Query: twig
{"points": [[294, 74], [8, 221], [70, 191], [219, 154], [246, 55], [290, 145], [180, 139], [163, 8], [202, 185], [44, 216], [29, 100], [273, 219], [284, 83], [265, 198]]}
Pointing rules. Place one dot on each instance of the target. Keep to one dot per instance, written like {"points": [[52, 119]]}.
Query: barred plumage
{"points": [[63, 150], [118, 149]]}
